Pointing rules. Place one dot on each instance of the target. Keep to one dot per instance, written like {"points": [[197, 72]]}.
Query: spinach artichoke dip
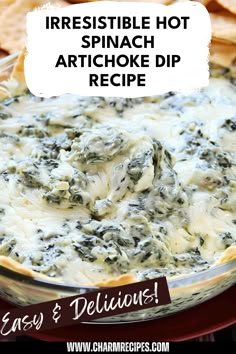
{"points": [[93, 188]]}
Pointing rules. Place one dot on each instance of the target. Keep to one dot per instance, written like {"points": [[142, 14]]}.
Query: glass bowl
{"points": [[186, 291]]}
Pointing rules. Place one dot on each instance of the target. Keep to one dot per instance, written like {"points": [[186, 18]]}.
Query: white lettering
{"points": [[20, 324]]}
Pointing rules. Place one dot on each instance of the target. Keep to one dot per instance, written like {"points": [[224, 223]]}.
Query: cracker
{"points": [[214, 6], [13, 23], [222, 53], [3, 53], [3, 75], [228, 4], [4, 4], [203, 2], [163, 2], [18, 70], [228, 255], [223, 26], [118, 281], [80, 1]]}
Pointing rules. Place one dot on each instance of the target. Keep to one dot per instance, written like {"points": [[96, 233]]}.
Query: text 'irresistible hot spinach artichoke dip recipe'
{"points": [[94, 188]]}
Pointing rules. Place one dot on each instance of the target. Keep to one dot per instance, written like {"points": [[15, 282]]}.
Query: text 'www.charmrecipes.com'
{"points": [[142, 50]]}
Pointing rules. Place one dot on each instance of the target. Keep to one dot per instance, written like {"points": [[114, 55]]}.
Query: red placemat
{"points": [[208, 317]]}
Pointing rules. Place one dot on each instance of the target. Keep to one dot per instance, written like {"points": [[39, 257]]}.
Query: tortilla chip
{"points": [[223, 26], [222, 53], [13, 23], [228, 4]]}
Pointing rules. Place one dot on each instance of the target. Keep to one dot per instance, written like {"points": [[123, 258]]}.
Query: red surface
{"points": [[208, 317]]}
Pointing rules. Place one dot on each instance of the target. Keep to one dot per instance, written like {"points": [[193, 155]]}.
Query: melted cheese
{"points": [[94, 187]]}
